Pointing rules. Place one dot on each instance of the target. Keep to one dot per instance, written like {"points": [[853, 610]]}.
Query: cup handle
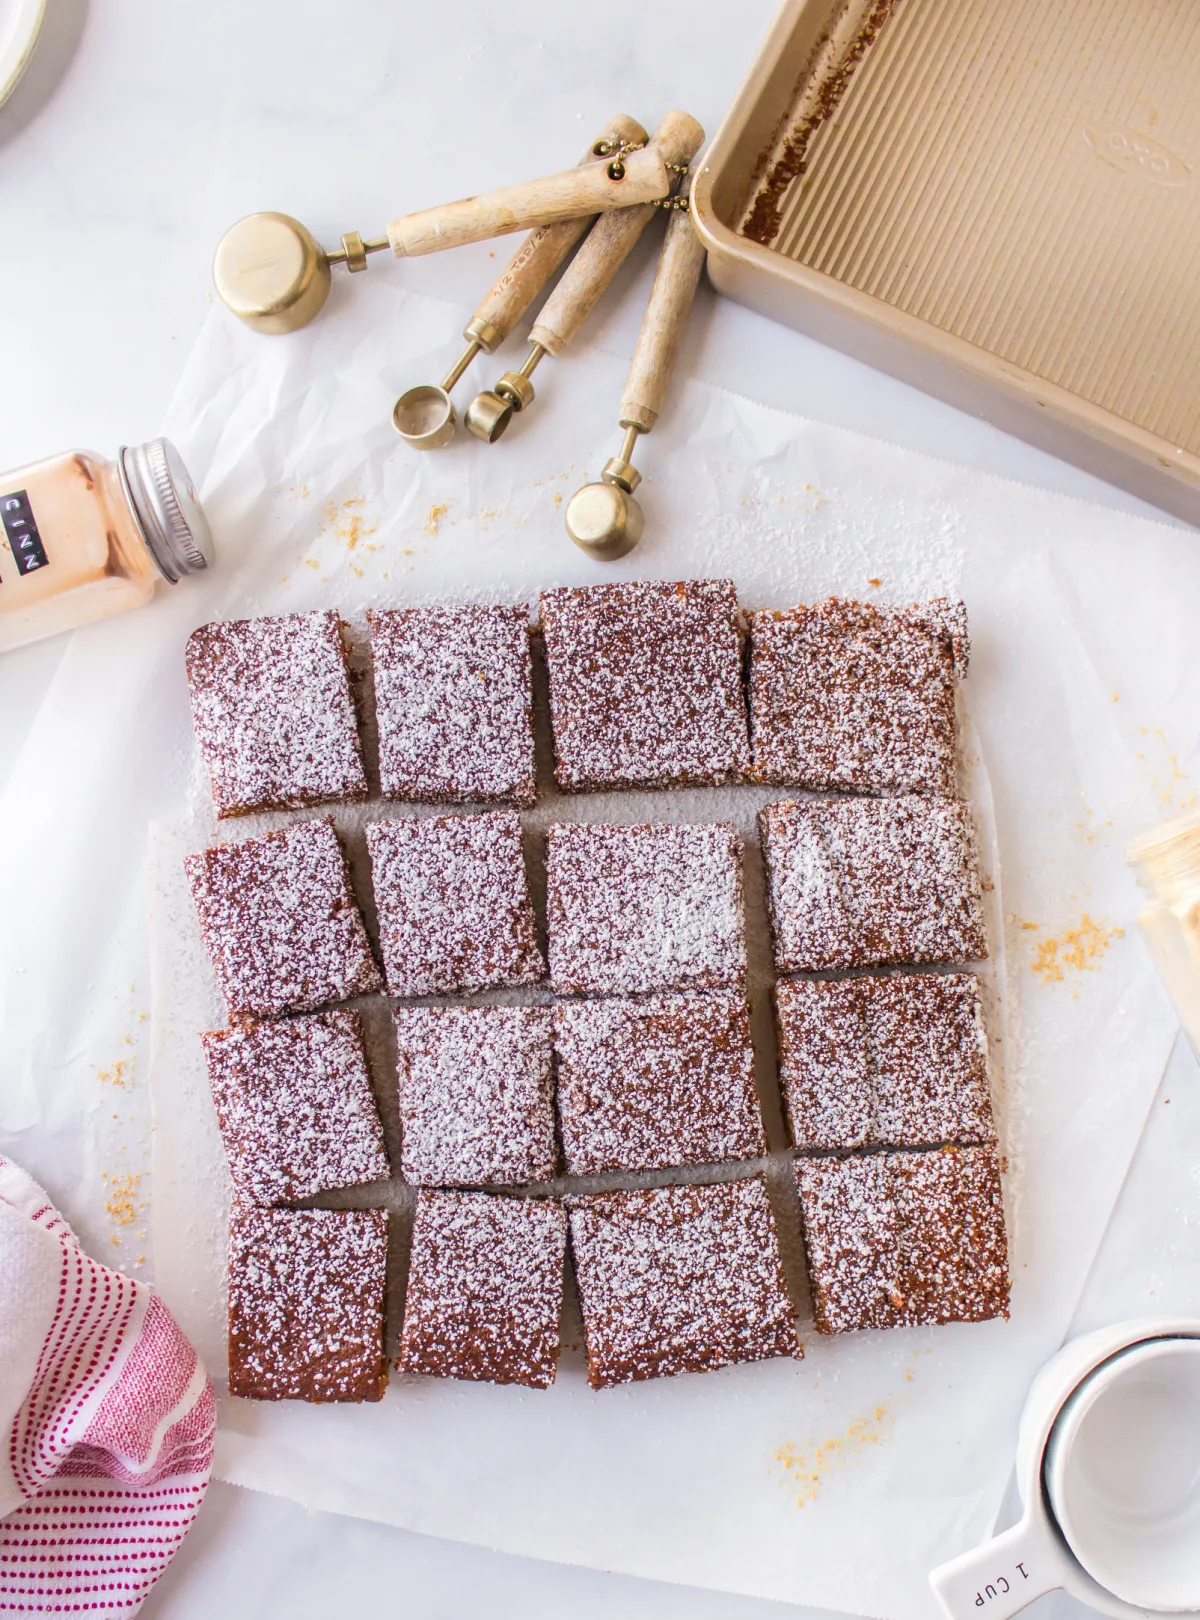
{"points": [[1000, 1577]]}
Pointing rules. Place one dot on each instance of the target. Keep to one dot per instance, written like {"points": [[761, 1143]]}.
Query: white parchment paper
{"points": [[835, 1481]]}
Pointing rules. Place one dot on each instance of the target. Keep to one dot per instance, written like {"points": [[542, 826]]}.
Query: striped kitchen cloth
{"points": [[106, 1421]]}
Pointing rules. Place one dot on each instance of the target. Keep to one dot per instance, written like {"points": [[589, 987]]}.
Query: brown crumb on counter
{"points": [[1080, 948], [435, 515], [121, 1203]]}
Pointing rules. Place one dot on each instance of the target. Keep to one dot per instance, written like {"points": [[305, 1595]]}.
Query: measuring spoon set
{"points": [[272, 273]]}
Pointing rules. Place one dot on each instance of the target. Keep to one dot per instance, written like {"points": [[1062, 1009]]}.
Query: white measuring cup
{"points": [[1108, 1467]]}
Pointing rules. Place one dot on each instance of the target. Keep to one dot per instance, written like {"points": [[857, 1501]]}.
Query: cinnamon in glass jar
{"points": [[82, 538]]}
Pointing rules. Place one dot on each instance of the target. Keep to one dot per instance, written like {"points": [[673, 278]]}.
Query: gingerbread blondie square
{"points": [[280, 921], [661, 1081], [273, 711], [859, 882], [454, 704], [645, 684], [679, 1279], [901, 1239], [453, 903], [306, 1293], [295, 1106], [475, 1095], [485, 1288], [891, 1062], [849, 695], [651, 907]]}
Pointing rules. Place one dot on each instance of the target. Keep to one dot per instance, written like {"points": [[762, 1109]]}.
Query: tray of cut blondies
{"points": [[607, 978]]}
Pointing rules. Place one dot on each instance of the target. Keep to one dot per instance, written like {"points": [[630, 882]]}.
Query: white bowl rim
{"points": [[17, 47]]}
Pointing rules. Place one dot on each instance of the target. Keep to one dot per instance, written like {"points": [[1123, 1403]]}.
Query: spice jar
{"points": [[1167, 862], [83, 538]]}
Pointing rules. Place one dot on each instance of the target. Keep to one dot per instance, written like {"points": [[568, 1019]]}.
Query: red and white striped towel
{"points": [[106, 1421]]}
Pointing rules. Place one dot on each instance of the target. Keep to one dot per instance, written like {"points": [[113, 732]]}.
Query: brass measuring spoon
{"points": [[424, 416], [274, 275], [603, 518], [609, 243]]}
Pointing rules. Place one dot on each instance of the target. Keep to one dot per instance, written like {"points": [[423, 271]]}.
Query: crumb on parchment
{"points": [[121, 1205], [1080, 949], [807, 1468], [435, 515]]}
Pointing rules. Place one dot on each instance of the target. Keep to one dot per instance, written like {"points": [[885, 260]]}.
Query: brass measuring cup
{"points": [[609, 243], [273, 274], [424, 416], [604, 519]]}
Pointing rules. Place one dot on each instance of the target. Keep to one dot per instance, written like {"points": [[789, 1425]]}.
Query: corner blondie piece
{"points": [[273, 712], [485, 1288], [280, 921], [645, 684], [902, 1239], [847, 695], [475, 1095], [453, 901], [454, 702], [647, 1084], [883, 1062], [679, 1279], [631, 909], [306, 1291], [859, 882], [295, 1106]]}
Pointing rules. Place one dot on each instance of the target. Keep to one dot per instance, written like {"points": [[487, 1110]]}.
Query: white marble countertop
{"points": [[138, 134]]}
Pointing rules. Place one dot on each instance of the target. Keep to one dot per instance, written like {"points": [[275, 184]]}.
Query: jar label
{"points": [[21, 531]]}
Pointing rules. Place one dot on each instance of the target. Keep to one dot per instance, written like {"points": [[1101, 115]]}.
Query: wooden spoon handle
{"points": [[642, 176], [542, 251], [663, 323], [610, 242]]}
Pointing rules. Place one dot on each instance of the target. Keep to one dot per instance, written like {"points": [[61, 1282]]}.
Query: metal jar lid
{"points": [[160, 492]]}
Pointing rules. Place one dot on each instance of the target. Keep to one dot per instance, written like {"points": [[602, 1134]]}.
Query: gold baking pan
{"points": [[995, 200]]}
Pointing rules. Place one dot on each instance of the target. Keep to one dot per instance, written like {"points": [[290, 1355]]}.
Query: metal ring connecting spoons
{"points": [[609, 243], [424, 416]]}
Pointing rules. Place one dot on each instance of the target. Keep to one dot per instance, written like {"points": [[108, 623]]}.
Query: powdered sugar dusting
{"points": [[929, 1050], [825, 1069], [484, 1288], [273, 712], [687, 1275], [852, 696], [280, 922], [645, 684], [679, 1279], [899, 1239], [644, 1085], [306, 1304], [652, 907], [454, 702], [454, 907], [295, 1106], [475, 1095], [883, 1062], [857, 882]]}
